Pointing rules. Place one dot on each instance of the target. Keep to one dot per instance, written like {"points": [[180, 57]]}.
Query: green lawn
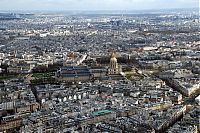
{"points": [[132, 75], [43, 80], [42, 75], [7, 77]]}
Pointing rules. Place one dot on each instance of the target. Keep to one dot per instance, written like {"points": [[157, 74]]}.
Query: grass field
{"points": [[7, 77], [42, 75]]}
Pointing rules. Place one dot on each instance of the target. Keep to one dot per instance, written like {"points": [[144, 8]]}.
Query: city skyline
{"points": [[96, 66], [60, 5]]}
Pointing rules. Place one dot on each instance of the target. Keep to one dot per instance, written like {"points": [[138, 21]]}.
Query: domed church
{"points": [[114, 68]]}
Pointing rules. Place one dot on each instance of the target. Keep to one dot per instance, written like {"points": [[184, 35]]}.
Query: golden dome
{"points": [[113, 59], [113, 55]]}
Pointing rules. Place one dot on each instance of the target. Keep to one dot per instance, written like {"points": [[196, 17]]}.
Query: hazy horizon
{"points": [[95, 5]]}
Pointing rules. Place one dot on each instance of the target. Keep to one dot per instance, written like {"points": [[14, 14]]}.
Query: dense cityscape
{"points": [[100, 72]]}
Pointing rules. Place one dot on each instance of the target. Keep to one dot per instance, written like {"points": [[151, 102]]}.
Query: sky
{"points": [[96, 4]]}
